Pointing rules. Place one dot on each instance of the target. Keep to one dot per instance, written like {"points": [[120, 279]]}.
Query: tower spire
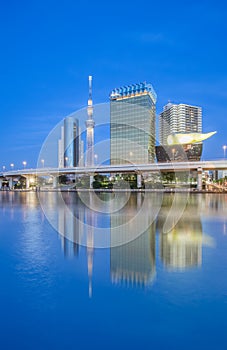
{"points": [[90, 127], [90, 102]]}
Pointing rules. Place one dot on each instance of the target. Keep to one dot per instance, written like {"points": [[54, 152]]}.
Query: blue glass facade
{"points": [[132, 126], [71, 142]]}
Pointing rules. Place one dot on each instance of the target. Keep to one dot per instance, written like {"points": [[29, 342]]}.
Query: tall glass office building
{"points": [[132, 129], [71, 142]]}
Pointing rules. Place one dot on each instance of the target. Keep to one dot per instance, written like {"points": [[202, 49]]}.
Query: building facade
{"points": [[61, 150], [71, 142], [179, 118], [179, 153], [69, 145], [132, 124]]}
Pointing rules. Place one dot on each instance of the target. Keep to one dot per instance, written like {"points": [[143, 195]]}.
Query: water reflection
{"points": [[70, 238], [133, 263], [215, 204], [182, 247], [90, 220]]}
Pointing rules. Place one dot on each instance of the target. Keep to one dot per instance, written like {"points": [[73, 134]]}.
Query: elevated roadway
{"points": [[117, 169], [125, 168]]}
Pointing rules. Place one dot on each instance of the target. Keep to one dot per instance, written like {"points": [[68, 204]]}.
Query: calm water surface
{"points": [[165, 288]]}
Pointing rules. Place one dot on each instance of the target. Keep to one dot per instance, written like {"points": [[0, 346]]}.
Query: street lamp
{"points": [[24, 164], [224, 149], [96, 158], [4, 168], [66, 161], [42, 161], [12, 165]]}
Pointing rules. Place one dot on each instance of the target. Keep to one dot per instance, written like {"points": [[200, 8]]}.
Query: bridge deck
{"points": [[126, 168]]}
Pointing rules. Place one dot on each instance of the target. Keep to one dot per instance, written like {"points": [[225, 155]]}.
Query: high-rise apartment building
{"points": [[179, 118], [132, 127]]}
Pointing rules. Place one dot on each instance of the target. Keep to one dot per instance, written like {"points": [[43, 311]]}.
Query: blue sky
{"points": [[48, 49]]}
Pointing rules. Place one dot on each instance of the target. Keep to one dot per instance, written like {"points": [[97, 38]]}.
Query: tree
{"points": [[63, 179]]}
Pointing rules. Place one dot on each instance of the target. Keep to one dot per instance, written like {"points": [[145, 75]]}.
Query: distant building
{"points": [[132, 127], [69, 143], [81, 162], [179, 118], [61, 149], [224, 173], [179, 153]]}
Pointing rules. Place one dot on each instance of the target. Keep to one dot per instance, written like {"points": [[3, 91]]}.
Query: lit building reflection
{"points": [[71, 217], [76, 223], [133, 263], [69, 232], [18, 200], [181, 245]]}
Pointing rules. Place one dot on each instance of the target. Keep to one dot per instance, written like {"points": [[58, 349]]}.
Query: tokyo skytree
{"points": [[90, 128]]}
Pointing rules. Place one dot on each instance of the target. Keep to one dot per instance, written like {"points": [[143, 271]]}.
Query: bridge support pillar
{"points": [[139, 180], [55, 181], [27, 183], [91, 181], [139, 199], [1, 181], [29, 179], [10, 183], [199, 179]]}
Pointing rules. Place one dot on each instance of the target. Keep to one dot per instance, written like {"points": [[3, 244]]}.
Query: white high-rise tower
{"points": [[90, 128], [179, 118]]}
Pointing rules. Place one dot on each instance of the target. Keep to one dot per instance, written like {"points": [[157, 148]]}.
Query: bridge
{"points": [[139, 169]]}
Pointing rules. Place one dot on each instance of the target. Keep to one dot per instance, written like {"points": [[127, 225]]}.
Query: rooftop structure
{"points": [[132, 128], [132, 91]]}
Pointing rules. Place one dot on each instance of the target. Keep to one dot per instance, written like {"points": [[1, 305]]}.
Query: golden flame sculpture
{"points": [[182, 139]]}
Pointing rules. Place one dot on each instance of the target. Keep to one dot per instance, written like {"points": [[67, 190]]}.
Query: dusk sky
{"points": [[48, 49]]}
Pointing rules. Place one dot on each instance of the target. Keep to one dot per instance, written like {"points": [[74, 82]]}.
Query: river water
{"points": [[113, 271]]}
